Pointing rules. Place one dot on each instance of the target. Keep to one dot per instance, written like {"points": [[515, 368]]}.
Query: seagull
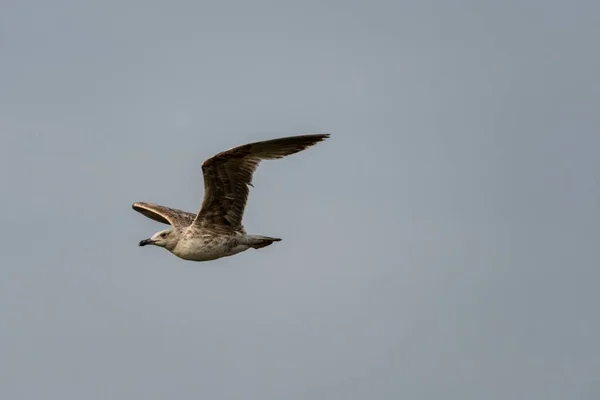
{"points": [[216, 230]]}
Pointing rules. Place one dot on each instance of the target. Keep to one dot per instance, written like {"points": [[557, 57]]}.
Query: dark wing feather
{"points": [[166, 215], [228, 174]]}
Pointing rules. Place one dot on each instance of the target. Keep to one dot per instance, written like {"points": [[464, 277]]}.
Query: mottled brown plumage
{"points": [[217, 230], [228, 175], [166, 215]]}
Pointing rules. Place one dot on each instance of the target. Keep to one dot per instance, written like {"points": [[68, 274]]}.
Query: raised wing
{"points": [[166, 215], [228, 175]]}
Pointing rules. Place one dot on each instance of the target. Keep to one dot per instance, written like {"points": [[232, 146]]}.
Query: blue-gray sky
{"points": [[444, 243]]}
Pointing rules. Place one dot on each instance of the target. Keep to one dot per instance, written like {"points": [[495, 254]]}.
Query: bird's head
{"points": [[167, 239]]}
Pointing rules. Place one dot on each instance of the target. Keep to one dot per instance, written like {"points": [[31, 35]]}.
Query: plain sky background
{"points": [[442, 244]]}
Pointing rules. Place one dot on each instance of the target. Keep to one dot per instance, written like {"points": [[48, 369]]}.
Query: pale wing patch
{"points": [[165, 215]]}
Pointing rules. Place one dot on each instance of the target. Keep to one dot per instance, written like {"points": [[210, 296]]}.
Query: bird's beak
{"points": [[145, 242]]}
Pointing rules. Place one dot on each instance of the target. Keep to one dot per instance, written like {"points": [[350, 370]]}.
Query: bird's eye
{"points": [[163, 234]]}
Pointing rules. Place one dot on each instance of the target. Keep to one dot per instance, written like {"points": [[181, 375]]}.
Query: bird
{"points": [[216, 230]]}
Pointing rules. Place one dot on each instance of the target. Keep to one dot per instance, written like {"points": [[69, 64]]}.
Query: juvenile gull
{"points": [[217, 230]]}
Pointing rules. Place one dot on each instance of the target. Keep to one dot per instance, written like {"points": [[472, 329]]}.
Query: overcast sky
{"points": [[442, 244]]}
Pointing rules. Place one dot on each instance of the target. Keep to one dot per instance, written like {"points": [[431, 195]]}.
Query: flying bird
{"points": [[216, 230]]}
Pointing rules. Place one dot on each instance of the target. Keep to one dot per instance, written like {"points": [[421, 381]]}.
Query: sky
{"points": [[443, 243]]}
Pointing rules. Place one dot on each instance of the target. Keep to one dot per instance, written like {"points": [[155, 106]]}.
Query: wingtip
{"points": [[323, 136], [139, 205], [316, 137], [320, 137]]}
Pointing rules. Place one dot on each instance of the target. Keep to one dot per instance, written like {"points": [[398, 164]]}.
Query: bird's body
{"points": [[205, 245], [217, 230]]}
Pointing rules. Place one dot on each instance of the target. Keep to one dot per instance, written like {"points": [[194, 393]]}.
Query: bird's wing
{"points": [[228, 175], [166, 215]]}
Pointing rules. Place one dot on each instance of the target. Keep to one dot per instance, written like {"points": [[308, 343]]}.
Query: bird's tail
{"points": [[258, 242]]}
